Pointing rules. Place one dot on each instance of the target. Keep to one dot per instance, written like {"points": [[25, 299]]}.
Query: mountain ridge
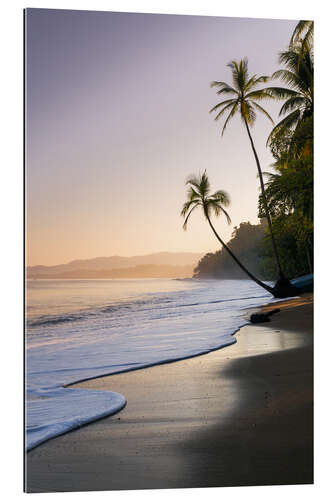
{"points": [[155, 264]]}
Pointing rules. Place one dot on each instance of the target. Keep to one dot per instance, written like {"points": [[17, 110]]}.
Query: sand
{"points": [[242, 415]]}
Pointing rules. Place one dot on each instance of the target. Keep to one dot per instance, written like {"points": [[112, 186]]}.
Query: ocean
{"points": [[81, 329]]}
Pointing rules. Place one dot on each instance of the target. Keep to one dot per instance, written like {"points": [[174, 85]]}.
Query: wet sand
{"points": [[242, 415]]}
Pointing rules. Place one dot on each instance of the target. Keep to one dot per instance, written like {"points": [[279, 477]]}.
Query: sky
{"points": [[117, 118]]}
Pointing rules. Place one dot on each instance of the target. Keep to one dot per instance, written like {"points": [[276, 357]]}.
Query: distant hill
{"points": [[157, 265]]}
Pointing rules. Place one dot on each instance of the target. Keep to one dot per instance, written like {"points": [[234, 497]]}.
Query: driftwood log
{"points": [[262, 317]]}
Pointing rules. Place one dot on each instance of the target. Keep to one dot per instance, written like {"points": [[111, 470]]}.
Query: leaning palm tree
{"points": [[298, 75], [198, 195], [243, 99]]}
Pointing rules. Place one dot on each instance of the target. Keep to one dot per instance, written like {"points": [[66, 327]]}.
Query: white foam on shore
{"points": [[63, 417], [79, 342]]}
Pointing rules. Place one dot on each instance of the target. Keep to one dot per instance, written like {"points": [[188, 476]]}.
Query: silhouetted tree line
{"points": [[252, 244]]}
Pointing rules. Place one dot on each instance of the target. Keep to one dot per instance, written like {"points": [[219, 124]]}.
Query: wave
{"points": [[54, 320], [51, 320], [46, 320]]}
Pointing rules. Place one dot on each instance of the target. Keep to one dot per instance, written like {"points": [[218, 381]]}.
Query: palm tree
{"points": [[198, 195], [243, 99], [298, 75]]}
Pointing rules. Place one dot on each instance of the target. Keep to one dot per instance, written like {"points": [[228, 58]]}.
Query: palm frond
{"points": [[193, 195], [222, 103], [263, 111], [233, 65], [308, 38], [231, 114], [262, 79], [291, 79], [222, 197], [233, 103], [258, 95], [188, 215], [204, 184], [239, 72], [299, 30], [250, 83], [218, 208], [292, 103], [281, 92], [226, 214], [270, 176], [299, 61], [186, 207], [254, 81], [194, 180], [224, 88], [289, 122]]}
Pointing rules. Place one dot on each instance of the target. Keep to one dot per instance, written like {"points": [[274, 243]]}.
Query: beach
{"points": [[241, 415]]}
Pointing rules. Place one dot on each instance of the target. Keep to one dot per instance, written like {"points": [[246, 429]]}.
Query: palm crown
{"points": [[298, 75], [198, 195], [243, 95]]}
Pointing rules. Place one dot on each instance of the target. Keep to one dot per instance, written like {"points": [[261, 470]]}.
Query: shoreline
{"points": [[286, 303], [218, 427], [167, 360]]}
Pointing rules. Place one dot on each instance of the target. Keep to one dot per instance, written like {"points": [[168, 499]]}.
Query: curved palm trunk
{"points": [[251, 276], [268, 217]]}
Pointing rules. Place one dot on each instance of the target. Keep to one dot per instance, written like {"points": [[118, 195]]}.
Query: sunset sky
{"points": [[117, 117]]}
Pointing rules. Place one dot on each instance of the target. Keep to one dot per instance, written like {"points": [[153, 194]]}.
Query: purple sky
{"points": [[118, 117]]}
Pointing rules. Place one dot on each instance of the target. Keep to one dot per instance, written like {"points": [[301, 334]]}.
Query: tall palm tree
{"points": [[298, 75], [198, 195], [243, 99]]}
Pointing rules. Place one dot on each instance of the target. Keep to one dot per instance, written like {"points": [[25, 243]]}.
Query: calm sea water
{"points": [[79, 329]]}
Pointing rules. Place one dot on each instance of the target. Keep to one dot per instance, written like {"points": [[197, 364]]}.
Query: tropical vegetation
{"points": [[246, 242], [289, 190], [251, 244], [286, 200]]}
